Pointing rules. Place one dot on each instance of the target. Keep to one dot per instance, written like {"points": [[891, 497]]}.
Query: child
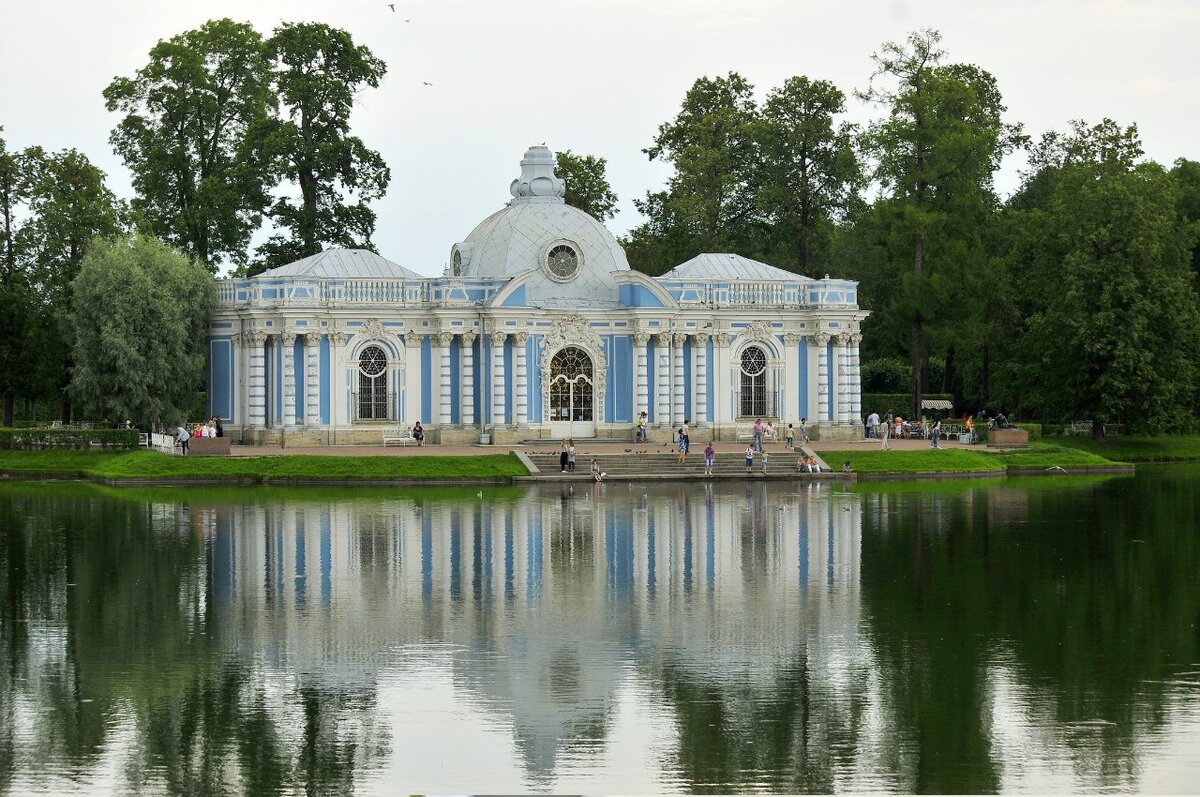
{"points": [[749, 458], [804, 430], [765, 456], [789, 438], [846, 466], [683, 447], [597, 476], [570, 456], [709, 454]]}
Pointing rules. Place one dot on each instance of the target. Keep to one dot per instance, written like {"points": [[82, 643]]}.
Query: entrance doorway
{"points": [[572, 407]]}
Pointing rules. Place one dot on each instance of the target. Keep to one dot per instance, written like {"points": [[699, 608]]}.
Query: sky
{"points": [[599, 76]]}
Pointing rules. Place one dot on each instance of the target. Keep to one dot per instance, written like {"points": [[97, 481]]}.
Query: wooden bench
{"points": [[397, 435], [1079, 427]]}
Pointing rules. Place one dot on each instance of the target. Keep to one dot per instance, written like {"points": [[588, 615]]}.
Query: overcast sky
{"points": [[599, 76]]}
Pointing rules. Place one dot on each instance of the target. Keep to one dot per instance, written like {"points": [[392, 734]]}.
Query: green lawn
{"points": [[925, 461], [1181, 448], [1047, 455], [151, 464], [1038, 455]]}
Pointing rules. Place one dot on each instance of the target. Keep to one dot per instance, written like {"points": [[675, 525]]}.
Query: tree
{"points": [[140, 315], [68, 207], [810, 170], [1108, 322], [14, 285], [711, 202], [191, 135], [587, 184], [935, 153], [320, 71], [1187, 177]]}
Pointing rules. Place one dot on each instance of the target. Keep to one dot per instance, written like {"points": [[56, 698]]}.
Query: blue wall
{"points": [[326, 383], [220, 379], [426, 380], [621, 382]]}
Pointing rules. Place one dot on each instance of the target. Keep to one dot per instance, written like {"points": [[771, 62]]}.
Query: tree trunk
{"points": [[8, 409], [917, 382], [948, 374], [1098, 430]]}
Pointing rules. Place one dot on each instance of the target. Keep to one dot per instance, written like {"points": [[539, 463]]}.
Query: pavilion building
{"points": [[538, 329]]}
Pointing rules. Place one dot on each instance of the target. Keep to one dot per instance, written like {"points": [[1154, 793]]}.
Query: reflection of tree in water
{"points": [[128, 585], [1063, 606]]}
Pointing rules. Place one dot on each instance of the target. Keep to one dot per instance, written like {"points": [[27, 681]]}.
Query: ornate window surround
{"points": [[575, 330]]}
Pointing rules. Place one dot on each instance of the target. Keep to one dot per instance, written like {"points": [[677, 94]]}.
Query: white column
{"points": [[855, 378], [412, 376], [842, 402], [677, 389], [289, 378], [521, 391], [498, 413], [662, 388], [256, 399], [467, 404], [700, 382], [339, 413], [641, 390], [723, 412], [312, 377], [791, 379], [442, 363], [819, 341], [237, 412]]}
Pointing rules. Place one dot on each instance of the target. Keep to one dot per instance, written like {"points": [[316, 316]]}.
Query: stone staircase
{"points": [[651, 465]]}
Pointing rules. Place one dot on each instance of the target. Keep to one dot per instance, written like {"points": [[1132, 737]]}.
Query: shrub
{"points": [[1034, 429], [37, 439]]}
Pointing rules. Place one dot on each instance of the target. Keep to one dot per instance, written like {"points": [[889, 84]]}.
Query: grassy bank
{"points": [[1038, 455], [153, 465], [926, 461], [1182, 448]]}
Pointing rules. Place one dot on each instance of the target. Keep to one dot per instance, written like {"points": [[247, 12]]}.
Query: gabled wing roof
{"points": [[720, 265], [348, 263]]}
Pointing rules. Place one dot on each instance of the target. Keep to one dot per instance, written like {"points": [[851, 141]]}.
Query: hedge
{"points": [[36, 439], [898, 403]]}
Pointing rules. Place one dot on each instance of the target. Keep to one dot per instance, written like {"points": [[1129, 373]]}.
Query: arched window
{"points": [[571, 385], [372, 385], [753, 383]]}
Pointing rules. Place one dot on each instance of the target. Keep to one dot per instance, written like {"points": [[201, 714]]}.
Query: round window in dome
{"points": [[562, 262]]}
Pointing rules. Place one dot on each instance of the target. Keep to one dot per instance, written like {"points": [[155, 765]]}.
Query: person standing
{"points": [[749, 458], [182, 437], [216, 423], [562, 456], [936, 434], [758, 434], [789, 438], [710, 454], [570, 455], [885, 434], [804, 431], [684, 433], [640, 435], [873, 422], [765, 456], [683, 446]]}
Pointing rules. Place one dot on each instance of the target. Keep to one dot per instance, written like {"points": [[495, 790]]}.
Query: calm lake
{"points": [[1021, 635]]}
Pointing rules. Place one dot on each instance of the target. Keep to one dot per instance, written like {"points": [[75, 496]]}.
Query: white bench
{"points": [[397, 435], [747, 433]]}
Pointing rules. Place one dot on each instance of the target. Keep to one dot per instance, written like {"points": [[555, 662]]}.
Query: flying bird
{"points": [[393, 7], [426, 82]]}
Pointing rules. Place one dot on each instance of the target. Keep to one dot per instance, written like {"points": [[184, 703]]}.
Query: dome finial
{"points": [[537, 182]]}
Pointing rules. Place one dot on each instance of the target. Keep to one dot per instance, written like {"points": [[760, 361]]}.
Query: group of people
{"points": [[895, 426], [210, 428]]}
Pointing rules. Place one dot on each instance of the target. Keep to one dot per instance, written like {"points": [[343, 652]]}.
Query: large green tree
{"points": [[1104, 316], [587, 184], [140, 315], [711, 201], [934, 154], [14, 284], [191, 134], [810, 170], [319, 73]]}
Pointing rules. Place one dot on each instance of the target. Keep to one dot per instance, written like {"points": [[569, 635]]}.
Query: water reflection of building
{"points": [[547, 598]]}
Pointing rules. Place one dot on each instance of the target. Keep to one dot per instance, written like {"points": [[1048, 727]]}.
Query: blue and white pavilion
{"points": [[538, 329]]}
